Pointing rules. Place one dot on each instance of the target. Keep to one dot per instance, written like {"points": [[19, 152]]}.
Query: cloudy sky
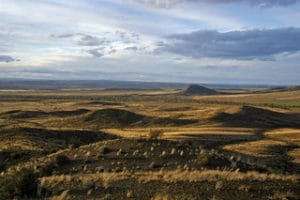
{"points": [[199, 41]]}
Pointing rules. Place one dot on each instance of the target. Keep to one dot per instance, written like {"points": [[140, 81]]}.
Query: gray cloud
{"points": [[101, 51], [7, 59], [96, 52], [132, 48], [66, 35], [81, 39], [112, 51], [241, 45], [88, 40], [260, 3]]}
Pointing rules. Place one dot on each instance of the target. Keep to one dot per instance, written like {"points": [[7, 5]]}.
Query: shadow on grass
{"points": [[253, 117]]}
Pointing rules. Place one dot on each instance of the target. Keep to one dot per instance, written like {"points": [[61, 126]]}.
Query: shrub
{"points": [[19, 184], [2, 167], [155, 134], [212, 160], [154, 165], [47, 170], [204, 159], [12, 154], [62, 160], [104, 150]]}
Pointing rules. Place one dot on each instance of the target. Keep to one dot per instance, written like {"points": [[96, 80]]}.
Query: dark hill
{"points": [[249, 116], [113, 117], [18, 114], [116, 118], [20, 144], [294, 88], [198, 90], [48, 139], [282, 89]]}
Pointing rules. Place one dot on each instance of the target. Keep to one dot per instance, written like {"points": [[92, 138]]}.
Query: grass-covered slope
{"points": [[250, 116]]}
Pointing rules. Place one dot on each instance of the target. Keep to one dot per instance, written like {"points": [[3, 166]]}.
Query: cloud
{"points": [[81, 39], [66, 35], [112, 51], [88, 40], [7, 59], [132, 48], [260, 3], [101, 51], [240, 45], [96, 52]]}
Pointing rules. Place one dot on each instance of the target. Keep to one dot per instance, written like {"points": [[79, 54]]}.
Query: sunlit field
{"points": [[157, 144]]}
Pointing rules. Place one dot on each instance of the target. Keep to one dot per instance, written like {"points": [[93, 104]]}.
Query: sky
{"points": [[193, 41]]}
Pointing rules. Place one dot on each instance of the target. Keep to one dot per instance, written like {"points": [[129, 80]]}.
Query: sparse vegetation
{"points": [[204, 159], [19, 184], [155, 134], [209, 159], [47, 169], [150, 145]]}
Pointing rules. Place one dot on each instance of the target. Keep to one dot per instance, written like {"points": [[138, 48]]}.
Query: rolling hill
{"points": [[250, 116], [198, 90]]}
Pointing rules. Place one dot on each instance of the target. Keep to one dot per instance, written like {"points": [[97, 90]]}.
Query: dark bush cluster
{"points": [[11, 155], [104, 150], [49, 168], [62, 160], [212, 160], [19, 184], [2, 167]]}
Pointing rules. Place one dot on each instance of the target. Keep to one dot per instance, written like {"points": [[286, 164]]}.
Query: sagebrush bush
{"points": [[19, 184], [2, 167], [155, 134], [204, 159], [12, 154], [47, 170], [212, 160], [62, 160], [104, 150]]}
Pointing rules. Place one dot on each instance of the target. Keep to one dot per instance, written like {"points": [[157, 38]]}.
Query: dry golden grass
{"points": [[260, 148], [27, 143], [173, 132], [210, 175], [105, 179], [20, 143], [206, 135], [289, 135], [82, 181], [288, 99], [295, 154], [255, 98]]}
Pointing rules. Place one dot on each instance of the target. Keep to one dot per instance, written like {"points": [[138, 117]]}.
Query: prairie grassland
{"points": [[101, 144], [188, 133], [288, 99], [171, 176], [295, 154], [258, 148], [291, 136]]}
